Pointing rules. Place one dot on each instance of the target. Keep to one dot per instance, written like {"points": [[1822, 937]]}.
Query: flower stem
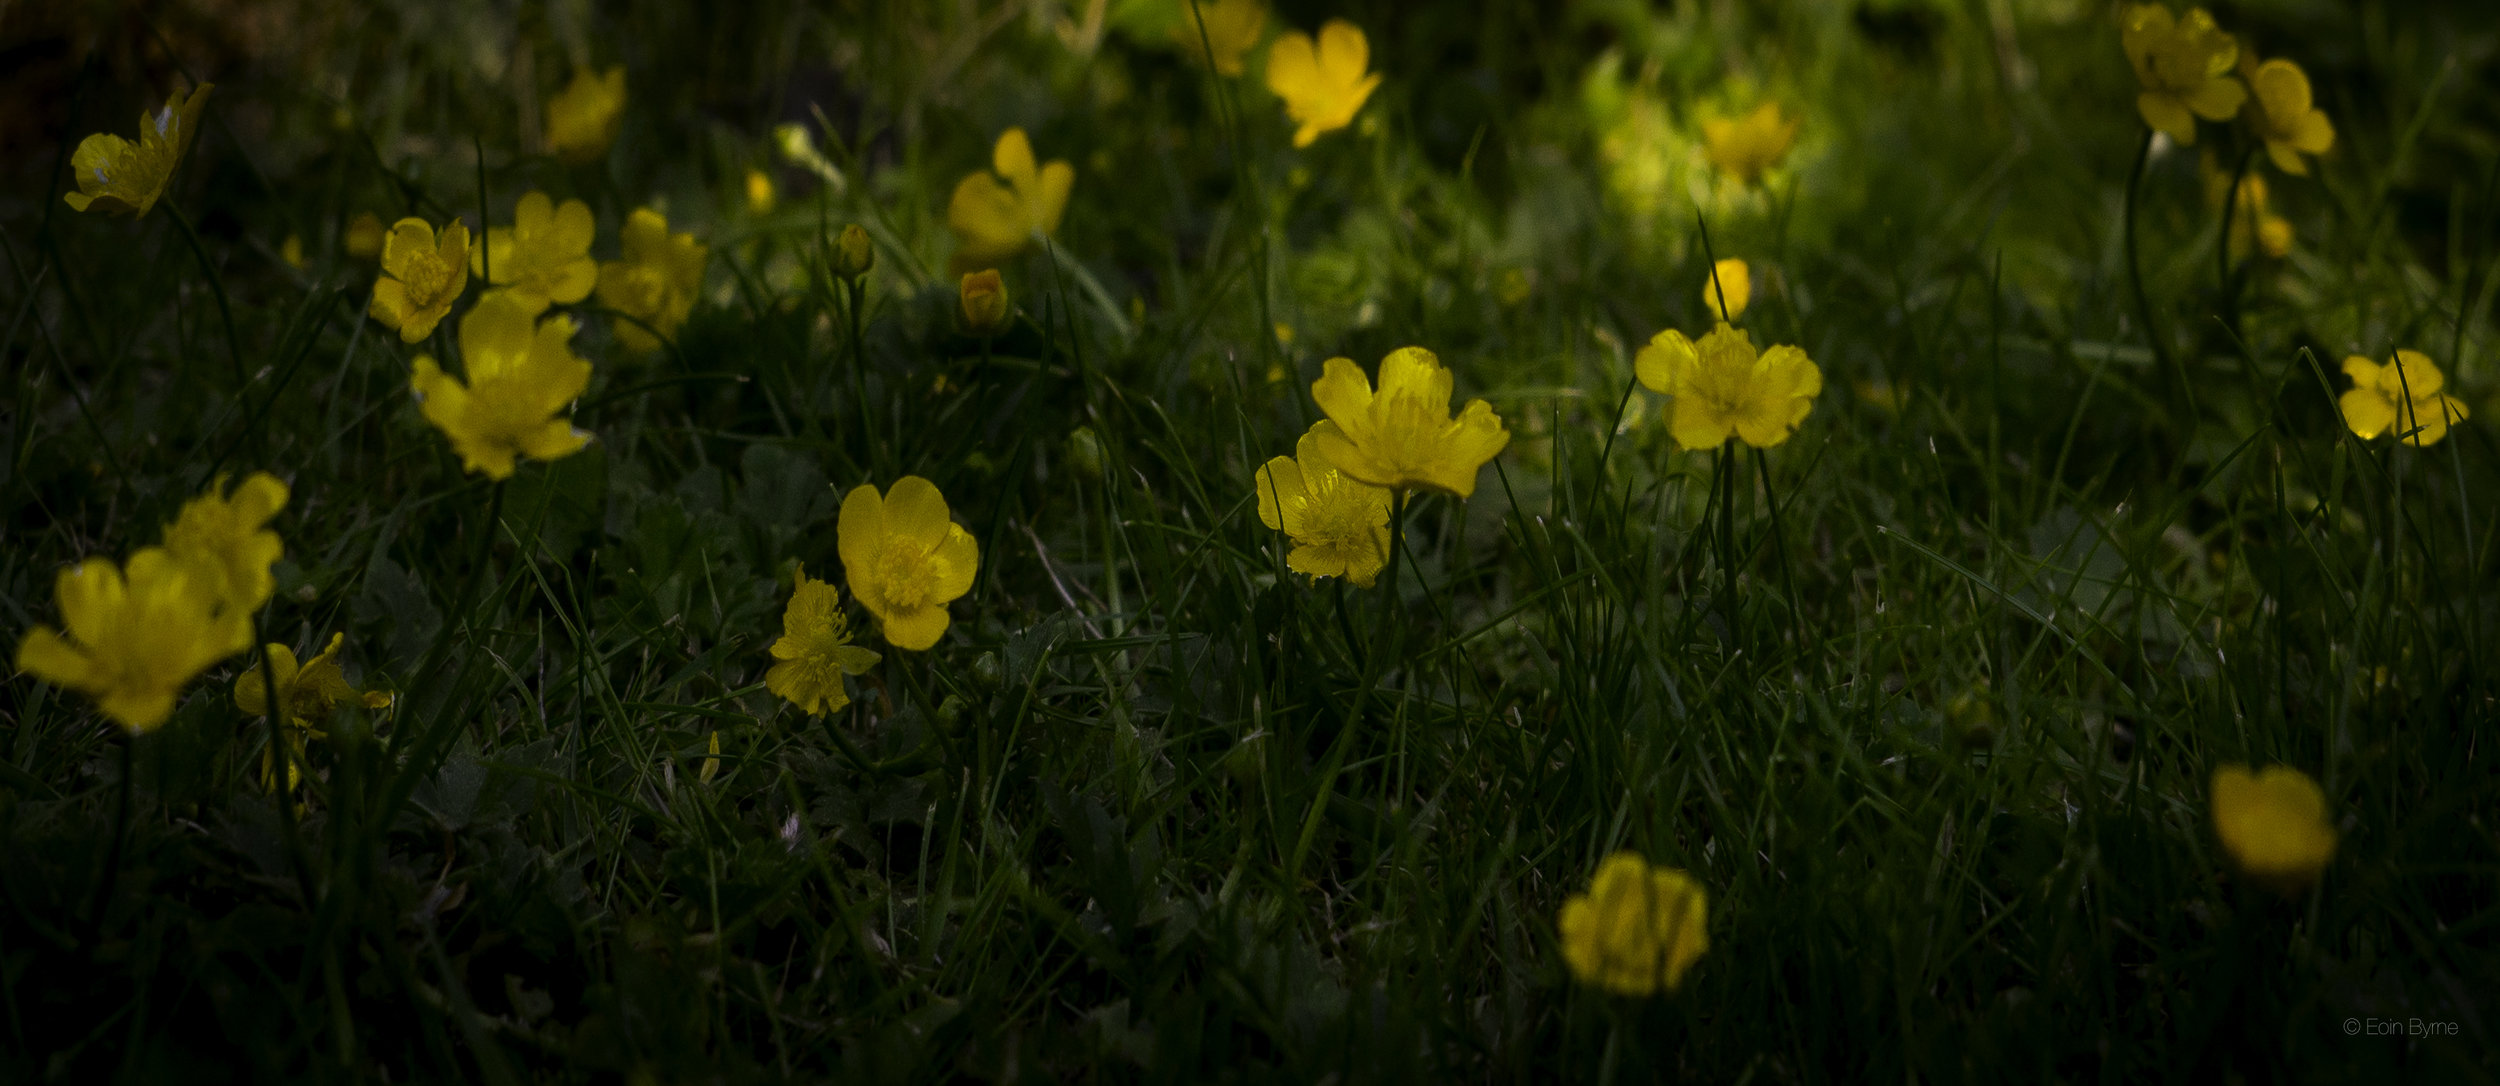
{"points": [[113, 854], [225, 310], [2222, 241], [1723, 482], [2135, 280]]}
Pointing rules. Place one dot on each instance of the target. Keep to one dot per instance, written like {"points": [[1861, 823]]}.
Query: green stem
{"points": [[2222, 243], [113, 854], [2135, 280], [225, 309]]}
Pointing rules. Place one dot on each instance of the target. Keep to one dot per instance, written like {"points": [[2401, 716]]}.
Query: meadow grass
{"points": [[1926, 698]]}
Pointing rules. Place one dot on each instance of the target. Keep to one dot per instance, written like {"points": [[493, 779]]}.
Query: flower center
{"points": [[908, 576]]}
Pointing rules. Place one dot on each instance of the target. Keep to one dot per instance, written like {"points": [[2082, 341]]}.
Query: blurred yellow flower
{"points": [[1233, 28], [421, 276], [995, 215], [657, 281], [1723, 388], [2280, 111], [118, 177], [1339, 526], [761, 195], [1324, 84], [2184, 65], [905, 559], [544, 256], [1730, 282], [1638, 929], [522, 373], [1747, 147], [227, 539], [136, 638], [307, 694], [815, 650], [1403, 437], [292, 251], [2403, 396], [2273, 823], [363, 239], [2252, 220], [853, 254], [581, 122], [984, 302]]}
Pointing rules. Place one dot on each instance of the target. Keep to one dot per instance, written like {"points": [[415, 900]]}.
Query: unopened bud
{"points": [[985, 302], [1085, 451], [853, 255]]}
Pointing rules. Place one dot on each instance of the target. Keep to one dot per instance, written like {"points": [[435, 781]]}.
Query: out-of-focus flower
{"points": [[906, 559], [1339, 526], [1747, 147], [657, 281], [1324, 83], [985, 302], [2273, 823], [2280, 111], [227, 538], [815, 650], [363, 239], [544, 256], [522, 373], [118, 177], [2184, 65], [994, 215], [762, 196], [135, 638], [853, 255], [1730, 286], [2403, 396], [1233, 28], [2252, 219], [292, 251], [581, 122], [422, 274], [1638, 929], [306, 696], [1724, 388], [1403, 437]]}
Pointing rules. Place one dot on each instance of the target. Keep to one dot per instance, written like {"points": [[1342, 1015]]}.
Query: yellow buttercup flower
{"points": [[1403, 437], [1638, 929], [1730, 282], [118, 177], [1324, 83], [2253, 221], [905, 559], [2279, 109], [815, 650], [544, 256], [422, 274], [995, 215], [2184, 65], [984, 302], [1233, 28], [581, 122], [363, 239], [1723, 388], [307, 694], [761, 195], [2273, 823], [1747, 147], [1339, 526], [226, 537], [657, 281], [522, 373], [135, 637], [2403, 396]]}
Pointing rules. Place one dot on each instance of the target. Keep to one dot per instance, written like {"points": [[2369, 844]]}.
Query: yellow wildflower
{"points": [[2252, 220], [544, 256], [521, 374], [118, 177], [2273, 823], [1324, 84], [1403, 436], [815, 650], [1339, 526], [421, 276], [2403, 396], [995, 215], [2184, 65], [985, 302], [1747, 147], [2280, 110], [227, 539], [307, 694], [581, 122], [1731, 283], [1638, 929], [761, 195], [905, 559], [853, 255], [1233, 28], [135, 638], [292, 251], [657, 281], [1723, 388], [363, 239]]}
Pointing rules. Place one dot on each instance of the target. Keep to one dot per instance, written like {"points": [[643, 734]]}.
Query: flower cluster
{"points": [[906, 559]]}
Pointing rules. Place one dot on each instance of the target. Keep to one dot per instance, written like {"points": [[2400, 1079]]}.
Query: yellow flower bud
{"points": [[985, 302], [853, 255]]}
